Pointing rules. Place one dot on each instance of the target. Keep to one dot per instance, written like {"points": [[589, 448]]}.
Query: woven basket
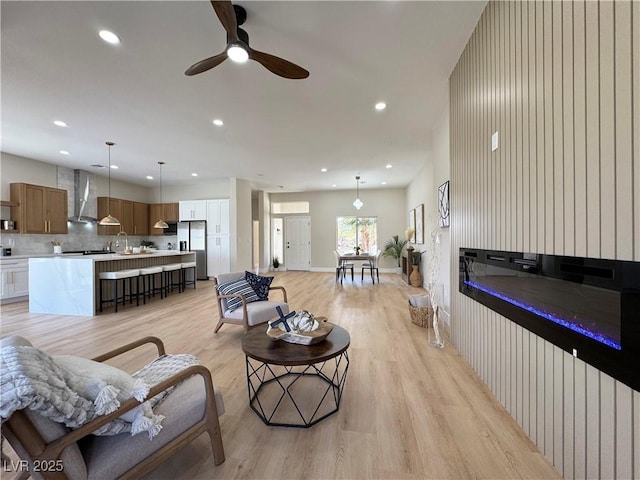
{"points": [[421, 316]]}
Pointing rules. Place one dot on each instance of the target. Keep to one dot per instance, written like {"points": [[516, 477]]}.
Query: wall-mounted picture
{"points": [[412, 225], [443, 204], [420, 223]]}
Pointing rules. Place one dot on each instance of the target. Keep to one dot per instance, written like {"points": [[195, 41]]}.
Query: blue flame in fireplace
{"points": [[560, 321]]}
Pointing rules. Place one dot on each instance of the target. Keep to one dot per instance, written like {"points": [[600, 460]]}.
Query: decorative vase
{"points": [[415, 278]]}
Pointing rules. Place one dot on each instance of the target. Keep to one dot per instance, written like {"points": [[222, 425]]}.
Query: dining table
{"points": [[353, 257]]}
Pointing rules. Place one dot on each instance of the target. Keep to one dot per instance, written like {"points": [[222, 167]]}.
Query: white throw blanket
{"points": [[31, 378]]}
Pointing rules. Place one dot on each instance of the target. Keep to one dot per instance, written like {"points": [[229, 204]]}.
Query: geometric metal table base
{"points": [[275, 391]]}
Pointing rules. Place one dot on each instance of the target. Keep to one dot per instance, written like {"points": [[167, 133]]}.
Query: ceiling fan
{"points": [[238, 49]]}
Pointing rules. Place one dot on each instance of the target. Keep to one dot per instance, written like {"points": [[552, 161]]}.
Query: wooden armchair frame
{"points": [[244, 321], [18, 428]]}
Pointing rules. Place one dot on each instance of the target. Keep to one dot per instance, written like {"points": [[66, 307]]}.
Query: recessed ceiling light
{"points": [[149, 177], [388, 165], [64, 152], [381, 106], [60, 123], [217, 122], [334, 185], [109, 37], [194, 174], [115, 167], [383, 183], [323, 169]]}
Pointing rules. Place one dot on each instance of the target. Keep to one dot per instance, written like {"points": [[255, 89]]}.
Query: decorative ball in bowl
{"points": [[304, 329]]}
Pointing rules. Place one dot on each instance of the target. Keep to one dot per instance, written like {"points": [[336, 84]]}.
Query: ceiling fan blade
{"points": [[277, 65], [206, 64], [227, 16]]}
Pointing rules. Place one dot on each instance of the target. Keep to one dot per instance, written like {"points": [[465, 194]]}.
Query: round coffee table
{"points": [[293, 385]]}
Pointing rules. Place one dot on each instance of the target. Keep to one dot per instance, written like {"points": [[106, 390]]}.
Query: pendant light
{"points": [[357, 202], [161, 223], [109, 220]]}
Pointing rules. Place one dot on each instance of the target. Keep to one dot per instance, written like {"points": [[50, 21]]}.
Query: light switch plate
{"points": [[494, 142]]}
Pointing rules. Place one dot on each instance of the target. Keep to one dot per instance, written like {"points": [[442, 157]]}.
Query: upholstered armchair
{"points": [[240, 305], [190, 409]]}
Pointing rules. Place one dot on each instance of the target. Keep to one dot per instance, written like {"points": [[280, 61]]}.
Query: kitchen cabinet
{"points": [[133, 216], [39, 209], [140, 218], [14, 275], [218, 257], [165, 211], [218, 216], [193, 210], [106, 206]]}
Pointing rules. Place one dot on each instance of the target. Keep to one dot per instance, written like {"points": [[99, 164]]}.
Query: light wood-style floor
{"points": [[409, 411]]}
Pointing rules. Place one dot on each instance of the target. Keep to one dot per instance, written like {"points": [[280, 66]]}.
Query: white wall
{"points": [[423, 189], [386, 204], [241, 225]]}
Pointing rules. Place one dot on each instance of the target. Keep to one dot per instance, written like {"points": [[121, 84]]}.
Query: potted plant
{"points": [[393, 248], [357, 249], [276, 263]]}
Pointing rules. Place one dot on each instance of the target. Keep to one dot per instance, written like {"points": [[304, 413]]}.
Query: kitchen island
{"points": [[69, 284]]}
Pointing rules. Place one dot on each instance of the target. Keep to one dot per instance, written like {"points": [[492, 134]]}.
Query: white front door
{"points": [[297, 248]]}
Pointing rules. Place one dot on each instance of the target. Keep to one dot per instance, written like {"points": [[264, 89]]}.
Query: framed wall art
{"points": [[443, 204], [420, 223], [412, 225]]}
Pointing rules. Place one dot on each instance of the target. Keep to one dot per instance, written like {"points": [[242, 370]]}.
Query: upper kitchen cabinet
{"points": [[39, 209], [162, 211], [111, 206], [193, 210], [218, 217], [140, 218], [133, 216]]}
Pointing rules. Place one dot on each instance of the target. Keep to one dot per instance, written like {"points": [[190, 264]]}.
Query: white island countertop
{"points": [[69, 284]]}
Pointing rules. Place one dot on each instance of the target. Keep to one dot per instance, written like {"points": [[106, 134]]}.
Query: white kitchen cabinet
{"points": [[15, 278], [218, 258], [193, 210], [218, 216]]}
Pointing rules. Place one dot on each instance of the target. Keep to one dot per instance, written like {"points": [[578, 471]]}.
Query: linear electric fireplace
{"points": [[586, 306]]}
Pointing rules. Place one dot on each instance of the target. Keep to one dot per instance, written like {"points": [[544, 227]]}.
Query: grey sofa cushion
{"points": [[259, 312], [110, 457]]}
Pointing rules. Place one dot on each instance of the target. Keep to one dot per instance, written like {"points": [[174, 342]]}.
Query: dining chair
{"points": [[371, 265], [342, 267]]}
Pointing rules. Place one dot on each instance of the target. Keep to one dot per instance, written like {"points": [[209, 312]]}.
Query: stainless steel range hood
{"points": [[84, 204]]}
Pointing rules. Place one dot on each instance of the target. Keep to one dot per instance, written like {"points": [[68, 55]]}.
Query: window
{"points": [[279, 208], [352, 231]]}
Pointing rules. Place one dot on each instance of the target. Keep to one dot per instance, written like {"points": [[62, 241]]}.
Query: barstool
{"points": [[183, 274], [167, 277], [115, 277], [148, 277]]}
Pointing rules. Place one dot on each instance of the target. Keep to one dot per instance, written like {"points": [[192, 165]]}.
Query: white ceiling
{"points": [[278, 133]]}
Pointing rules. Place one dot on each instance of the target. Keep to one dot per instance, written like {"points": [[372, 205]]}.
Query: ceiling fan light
{"points": [[161, 224], [109, 220], [237, 53]]}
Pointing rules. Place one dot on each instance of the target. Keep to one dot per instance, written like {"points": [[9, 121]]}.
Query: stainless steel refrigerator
{"points": [[195, 234]]}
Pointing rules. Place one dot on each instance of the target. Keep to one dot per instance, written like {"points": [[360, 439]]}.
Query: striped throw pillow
{"points": [[237, 286]]}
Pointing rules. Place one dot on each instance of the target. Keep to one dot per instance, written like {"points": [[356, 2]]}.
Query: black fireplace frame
{"points": [[619, 358]]}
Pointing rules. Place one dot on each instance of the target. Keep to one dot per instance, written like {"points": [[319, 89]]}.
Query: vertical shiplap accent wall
{"points": [[559, 82]]}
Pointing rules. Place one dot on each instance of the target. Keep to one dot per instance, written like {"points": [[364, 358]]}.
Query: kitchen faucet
{"points": [[126, 240]]}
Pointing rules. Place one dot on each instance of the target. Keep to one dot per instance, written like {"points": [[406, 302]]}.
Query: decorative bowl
{"points": [[305, 338]]}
